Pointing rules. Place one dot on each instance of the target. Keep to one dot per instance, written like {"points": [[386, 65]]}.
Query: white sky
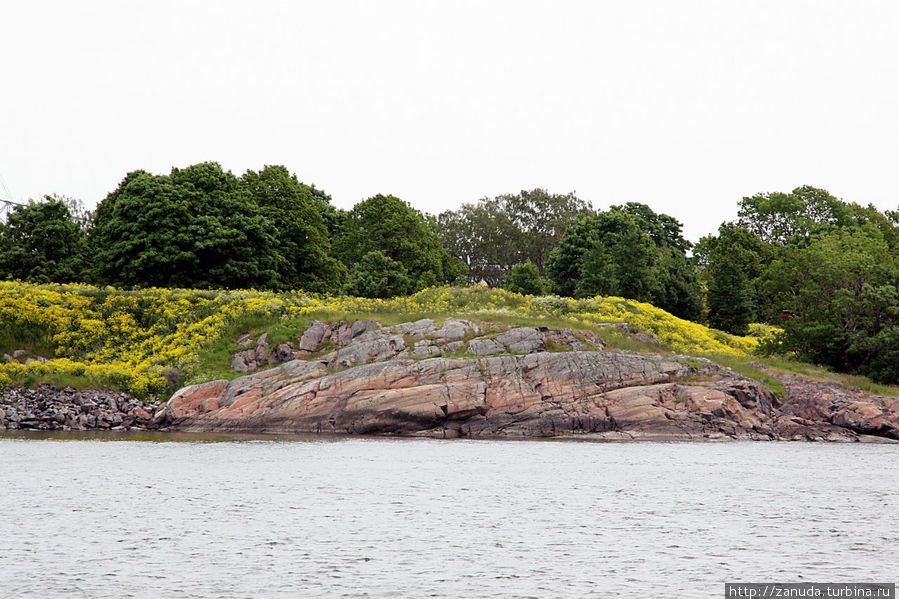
{"points": [[686, 106]]}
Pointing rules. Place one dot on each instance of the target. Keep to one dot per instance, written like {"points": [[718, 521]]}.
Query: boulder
{"points": [[364, 326], [417, 329], [313, 336], [485, 347], [454, 329], [244, 361], [425, 349], [377, 350], [282, 353], [341, 334], [526, 340]]}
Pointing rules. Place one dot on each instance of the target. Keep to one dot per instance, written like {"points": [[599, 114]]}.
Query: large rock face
{"points": [[611, 395], [397, 380], [821, 411]]}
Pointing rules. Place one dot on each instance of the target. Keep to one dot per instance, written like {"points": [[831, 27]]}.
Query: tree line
{"points": [[823, 269]]}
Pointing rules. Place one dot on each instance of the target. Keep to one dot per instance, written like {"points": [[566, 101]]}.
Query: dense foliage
{"points": [[376, 275], [825, 269], [42, 242], [301, 243], [388, 225], [525, 279], [629, 251], [193, 228], [493, 235], [842, 290]]}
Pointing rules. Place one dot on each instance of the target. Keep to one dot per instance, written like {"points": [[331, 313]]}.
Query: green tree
{"points": [[629, 251], [781, 218], [389, 225], [622, 260], [729, 294], [196, 227], [842, 291], [494, 234], [541, 219], [735, 248], [565, 261], [680, 289], [41, 242], [484, 237], [301, 241], [664, 230], [525, 279], [378, 276]]}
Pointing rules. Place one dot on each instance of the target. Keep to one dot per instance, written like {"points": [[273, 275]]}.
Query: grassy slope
{"points": [[144, 340]]}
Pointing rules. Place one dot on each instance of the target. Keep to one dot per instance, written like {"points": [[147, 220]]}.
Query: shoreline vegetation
{"points": [[151, 341], [153, 290]]}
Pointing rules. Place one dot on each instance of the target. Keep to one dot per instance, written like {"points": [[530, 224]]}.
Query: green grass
{"points": [[825, 375], [215, 356], [623, 342], [775, 367]]}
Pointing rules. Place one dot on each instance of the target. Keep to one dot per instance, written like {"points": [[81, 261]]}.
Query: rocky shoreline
{"points": [[49, 408], [471, 379]]}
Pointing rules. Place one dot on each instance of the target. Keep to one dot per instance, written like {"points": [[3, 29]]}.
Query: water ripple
{"points": [[421, 518]]}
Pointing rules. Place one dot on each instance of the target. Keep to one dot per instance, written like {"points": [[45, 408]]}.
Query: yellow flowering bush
{"points": [[124, 338], [128, 339]]}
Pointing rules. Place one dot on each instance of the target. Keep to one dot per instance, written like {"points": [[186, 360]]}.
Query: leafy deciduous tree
{"points": [[41, 242], [196, 227], [842, 290], [494, 234], [389, 225], [525, 279], [629, 251], [294, 211], [376, 275]]}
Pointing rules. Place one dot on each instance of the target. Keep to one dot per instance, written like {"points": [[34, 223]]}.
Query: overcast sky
{"points": [[686, 106]]}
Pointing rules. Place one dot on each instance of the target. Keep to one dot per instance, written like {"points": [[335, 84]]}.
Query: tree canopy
{"points": [[842, 292], [41, 242], [831, 266], [302, 245], [388, 225], [196, 227], [494, 234], [629, 251], [376, 275], [525, 279]]}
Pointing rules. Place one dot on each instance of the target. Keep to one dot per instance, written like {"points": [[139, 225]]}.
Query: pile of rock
{"points": [[366, 341], [50, 408]]}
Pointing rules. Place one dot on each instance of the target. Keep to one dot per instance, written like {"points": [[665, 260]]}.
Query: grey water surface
{"points": [[194, 516]]}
